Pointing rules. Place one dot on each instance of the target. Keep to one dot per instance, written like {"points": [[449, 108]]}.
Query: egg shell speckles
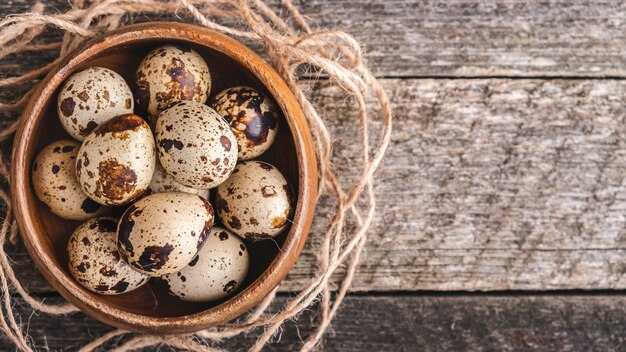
{"points": [[56, 185], [255, 201], [218, 269], [116, 161], [195, 145], [90, 98], [252, 117], [95, 263], [164, 182], [161, 233], [170, 74]]}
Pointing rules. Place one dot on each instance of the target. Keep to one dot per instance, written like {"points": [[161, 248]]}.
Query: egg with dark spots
{"points": [[216, 272], [255, 202], [116, 161], [252, 116], [90, 98], [195, 145], [95, 263], [56, 185], [170, 74], [164, 182], [161, 233]]}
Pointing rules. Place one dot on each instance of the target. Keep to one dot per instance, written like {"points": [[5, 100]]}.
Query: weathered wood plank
{"points": [[415, 323], [469, 37], [488, 185]]}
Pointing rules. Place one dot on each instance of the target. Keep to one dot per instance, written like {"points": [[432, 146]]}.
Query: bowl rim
{"points": [[307, 187]]}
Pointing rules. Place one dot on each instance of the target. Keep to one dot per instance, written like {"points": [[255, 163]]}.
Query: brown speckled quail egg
{"points": [[162, 232], [170, 74], [195, 145], [252, 117], [218, 269], [116, 161], [56, 185], [91, 97], [164, 182], [95, 263], [255, 201]]}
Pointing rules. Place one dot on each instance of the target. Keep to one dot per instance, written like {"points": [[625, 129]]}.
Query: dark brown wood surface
{"points": [[506, 172], [418, 322], [468, 38]]}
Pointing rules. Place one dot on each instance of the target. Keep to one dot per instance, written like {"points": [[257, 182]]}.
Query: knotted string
{"points": [[291, 45]]}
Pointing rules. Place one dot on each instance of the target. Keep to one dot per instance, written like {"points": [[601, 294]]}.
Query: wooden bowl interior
{"points": [[153, 300]]}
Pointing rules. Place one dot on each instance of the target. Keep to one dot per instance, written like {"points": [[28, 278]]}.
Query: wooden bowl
{"points": [[151, 309]]}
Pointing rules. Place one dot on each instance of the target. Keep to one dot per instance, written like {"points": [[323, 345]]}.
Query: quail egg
{"points": [[95, 263], [164, 182], [252, 117], [116, 161], [255, 201], [170, 74], [218, 269], [195, 145], [91, 97], [56, 185], [162, 232]]}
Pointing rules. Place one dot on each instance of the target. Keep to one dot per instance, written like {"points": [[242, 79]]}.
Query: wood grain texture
{"points": [[467, 37], [413, 323], [488, 185], [498, 184]]}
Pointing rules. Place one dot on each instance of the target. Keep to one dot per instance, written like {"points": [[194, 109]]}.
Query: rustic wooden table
{"points": [[502, 201]]}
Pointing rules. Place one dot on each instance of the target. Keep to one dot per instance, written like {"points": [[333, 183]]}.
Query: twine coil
{"points": [[290, 44]]}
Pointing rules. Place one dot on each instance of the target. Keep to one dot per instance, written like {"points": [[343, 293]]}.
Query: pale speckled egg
{"points": [[195, 145], [164, 182], [116, 161], [161, 233], [56, 185], [255, 201], [90, 98], [170, 74], [252, 117], [219, 268], [95, 263]]}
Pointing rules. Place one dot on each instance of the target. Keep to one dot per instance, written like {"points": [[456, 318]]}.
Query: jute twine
{"points": [[290, 44]]}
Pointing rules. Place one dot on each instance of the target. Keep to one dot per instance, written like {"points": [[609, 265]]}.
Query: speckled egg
{"points": [[252, 117], [116, 161], [164, 182], [195, 145], [91, 97], [161, 233], [255, 201], [218, 269], [95, 263], [170, 74], [56, 185]]}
